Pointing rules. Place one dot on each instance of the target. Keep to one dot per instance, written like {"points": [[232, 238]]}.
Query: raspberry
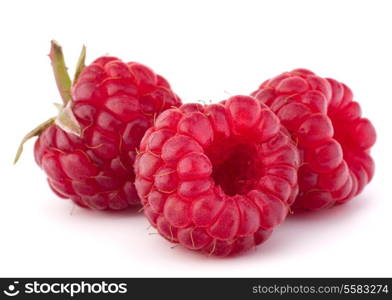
{"points": [[88, 152], [217, 178], [333, 139]]}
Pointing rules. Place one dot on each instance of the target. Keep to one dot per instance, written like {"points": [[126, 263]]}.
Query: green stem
{"points": [[65, 119]]}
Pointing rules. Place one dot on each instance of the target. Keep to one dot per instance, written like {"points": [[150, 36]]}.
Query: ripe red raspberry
{"points": [[88, 151], [333, 139], [217, 178]]}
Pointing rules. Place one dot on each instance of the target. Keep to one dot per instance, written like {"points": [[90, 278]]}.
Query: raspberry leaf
{"points": [[60, 71], [80, 64], [67, 121], [35, 132]]}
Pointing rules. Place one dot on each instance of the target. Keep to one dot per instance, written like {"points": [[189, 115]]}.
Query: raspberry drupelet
{"points": [[88, 151], [333, 138], [217, 178]]}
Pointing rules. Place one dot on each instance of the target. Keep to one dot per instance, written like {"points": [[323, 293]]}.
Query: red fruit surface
{"points": [[217, 178], [333, 139], [114, 103]]}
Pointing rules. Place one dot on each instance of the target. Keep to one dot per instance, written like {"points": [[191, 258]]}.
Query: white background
{"points": [[207, 50]]}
